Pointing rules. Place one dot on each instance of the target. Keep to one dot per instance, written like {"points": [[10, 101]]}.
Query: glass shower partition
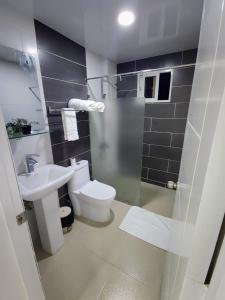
{"points": [[117, 135]]}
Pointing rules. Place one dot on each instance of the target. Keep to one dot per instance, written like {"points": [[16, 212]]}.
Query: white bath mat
{"points": [[148, 226]]}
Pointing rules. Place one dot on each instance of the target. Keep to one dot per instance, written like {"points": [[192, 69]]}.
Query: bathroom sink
{"points": [[45, 180]]}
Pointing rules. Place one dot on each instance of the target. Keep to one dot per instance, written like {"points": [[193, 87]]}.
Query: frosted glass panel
{"points": [[116, 140]]}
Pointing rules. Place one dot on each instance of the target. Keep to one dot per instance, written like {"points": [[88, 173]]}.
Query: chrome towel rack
{"points": [[57, 111]]}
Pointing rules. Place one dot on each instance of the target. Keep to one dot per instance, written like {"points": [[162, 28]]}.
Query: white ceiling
{"points": [[161, 26]]}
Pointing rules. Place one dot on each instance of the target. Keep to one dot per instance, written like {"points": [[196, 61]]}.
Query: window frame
{"points": [[141, 85]]}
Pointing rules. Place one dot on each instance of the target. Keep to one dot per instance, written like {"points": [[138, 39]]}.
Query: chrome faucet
{"points": [[31, 162]]}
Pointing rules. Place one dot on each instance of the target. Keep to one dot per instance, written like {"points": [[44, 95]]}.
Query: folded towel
{"points": [[86, 105], [69, 120]]}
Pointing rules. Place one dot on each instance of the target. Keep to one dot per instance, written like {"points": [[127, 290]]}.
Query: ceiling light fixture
{"points": [[126, 18]]}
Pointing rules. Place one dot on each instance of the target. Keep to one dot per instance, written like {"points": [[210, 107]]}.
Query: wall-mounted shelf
{"points": [[21, 135]]}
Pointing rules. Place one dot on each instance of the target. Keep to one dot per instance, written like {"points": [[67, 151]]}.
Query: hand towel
{"points": [[69, 120], [86, 105]]}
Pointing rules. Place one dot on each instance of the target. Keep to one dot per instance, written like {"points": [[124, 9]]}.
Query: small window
{"points": [[155, 86], [164, 86], [150, 87]]}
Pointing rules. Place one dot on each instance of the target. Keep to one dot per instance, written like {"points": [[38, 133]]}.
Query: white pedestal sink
{"points": [[41, 188]]}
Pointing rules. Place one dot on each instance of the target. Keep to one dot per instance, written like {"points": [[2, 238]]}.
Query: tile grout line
{"points": [[62, 57], [63, 195], [65, 81], [114, 265], [165, 132], [150, 156], [165, 146], [150, 129], [154, 181], [157, 118], [168, 166], [164, 171], [182, 57], [61, 161], [53, 145], [182, 85]]}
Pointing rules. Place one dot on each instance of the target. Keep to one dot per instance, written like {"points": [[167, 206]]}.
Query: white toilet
{"points": [[90, 199]]}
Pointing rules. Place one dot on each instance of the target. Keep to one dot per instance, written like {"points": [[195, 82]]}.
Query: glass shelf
{"points": [[21, 135]]}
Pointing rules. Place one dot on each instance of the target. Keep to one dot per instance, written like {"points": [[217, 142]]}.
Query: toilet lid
{"points": [[98, 190]]}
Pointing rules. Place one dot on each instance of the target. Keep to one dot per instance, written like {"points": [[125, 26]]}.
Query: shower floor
{"points": [[105, 262]]}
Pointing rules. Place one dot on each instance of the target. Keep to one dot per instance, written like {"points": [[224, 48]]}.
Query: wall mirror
{"points": [[20, 99]]}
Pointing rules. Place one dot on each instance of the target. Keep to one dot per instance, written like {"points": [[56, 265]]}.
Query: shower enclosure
{"points": [[117, 135]]}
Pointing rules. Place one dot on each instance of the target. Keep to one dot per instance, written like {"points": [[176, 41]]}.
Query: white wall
{"points": [[98, 66], [17, 101], [17, 31], [192, 206]]}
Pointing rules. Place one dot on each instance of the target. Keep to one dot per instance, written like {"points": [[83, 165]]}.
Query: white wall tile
{"points": [[206, 56], [193, 195], [189, 157]]}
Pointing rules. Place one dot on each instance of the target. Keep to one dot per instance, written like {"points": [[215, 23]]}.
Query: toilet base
{"points": [[94, 213], [96, 223]]}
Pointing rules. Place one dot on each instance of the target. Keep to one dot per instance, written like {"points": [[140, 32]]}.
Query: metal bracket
{"points": [[21, 218]]}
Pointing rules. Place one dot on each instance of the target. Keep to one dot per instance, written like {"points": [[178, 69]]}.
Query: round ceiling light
{"points": [[126, 18]]}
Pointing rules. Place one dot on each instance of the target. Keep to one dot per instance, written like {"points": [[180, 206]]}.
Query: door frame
{"points": [[11, 204]]}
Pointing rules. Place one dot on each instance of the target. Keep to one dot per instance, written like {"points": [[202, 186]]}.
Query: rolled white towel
{"points": [[86, 105]]}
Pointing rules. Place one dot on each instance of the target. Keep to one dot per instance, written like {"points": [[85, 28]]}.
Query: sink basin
{"points": [[43, 181]]}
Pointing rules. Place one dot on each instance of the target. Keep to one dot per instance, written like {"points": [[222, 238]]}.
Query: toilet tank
{"points": [[80, 177]]}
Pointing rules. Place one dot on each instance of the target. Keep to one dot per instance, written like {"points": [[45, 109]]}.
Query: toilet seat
{"points": [[97, 191]]}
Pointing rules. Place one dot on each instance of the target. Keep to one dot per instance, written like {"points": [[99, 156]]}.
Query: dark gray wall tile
{"points": [[153, 182], [157, 138], [159, 110], [144, 172], [166, 152], [126, 67], [169, 125], [146, 149], [181, 110], [181, 94], [66, 150], [56, 67], [183, 76], [155, 163], [166, 132], [128, 82], [63, 191], [189, 56], [174, 166], [162, 176], [147, 124], [177, 140], [164, 126], [57, 132], [167, 60], [52, 41], [124, 94], [60, 91]]}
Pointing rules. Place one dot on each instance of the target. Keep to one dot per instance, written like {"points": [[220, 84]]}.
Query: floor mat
{"points": [[148, 226]]}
